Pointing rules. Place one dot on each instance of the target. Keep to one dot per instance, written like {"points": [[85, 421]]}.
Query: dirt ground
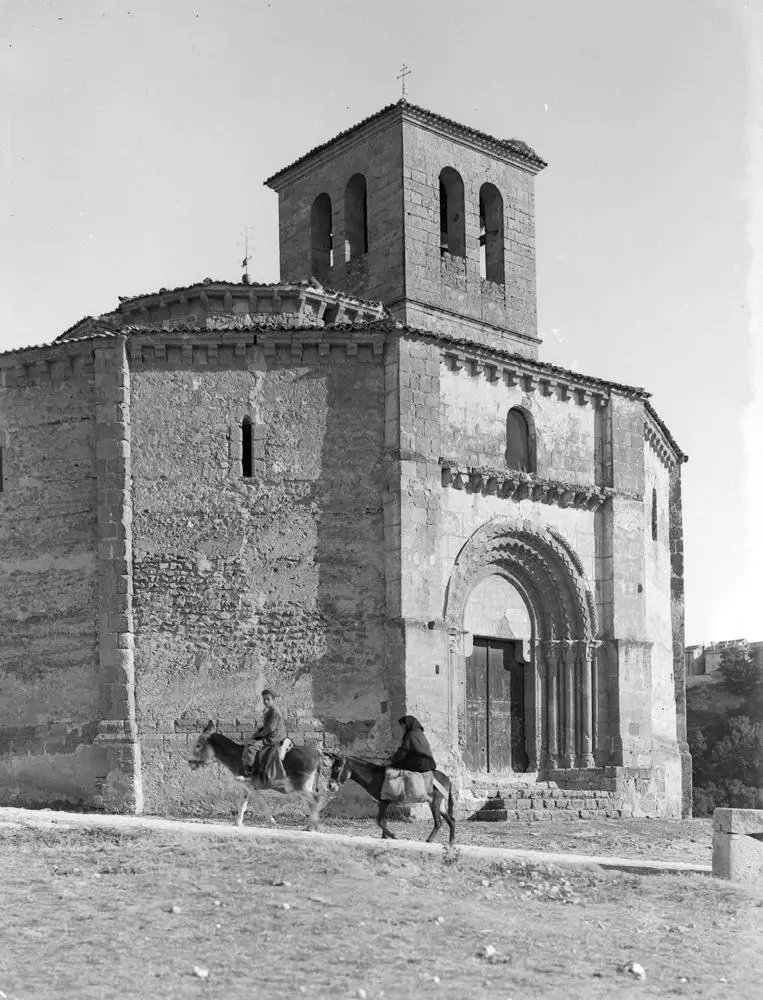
{"points": [[660, 840], [98, 914], [687, 840]]}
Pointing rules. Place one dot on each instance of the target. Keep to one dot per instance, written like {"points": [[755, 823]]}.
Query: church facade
{"points": [[361, 487]]}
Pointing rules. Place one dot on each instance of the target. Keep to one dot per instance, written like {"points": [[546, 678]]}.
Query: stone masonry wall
{"points": [[444, 291], [474, 412], [50, 698], [277, 580], [675, 531], [403, 267], [657, 597], [659, 628], [378, 274]]}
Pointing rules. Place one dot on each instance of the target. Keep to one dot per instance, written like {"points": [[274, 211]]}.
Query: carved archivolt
{"points": [[543, 567]]}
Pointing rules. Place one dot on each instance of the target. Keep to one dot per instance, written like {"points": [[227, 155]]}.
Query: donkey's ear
{"points": [[209, 728]]}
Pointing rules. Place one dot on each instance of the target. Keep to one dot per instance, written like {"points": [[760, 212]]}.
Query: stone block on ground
{"points": [[738, 844]]}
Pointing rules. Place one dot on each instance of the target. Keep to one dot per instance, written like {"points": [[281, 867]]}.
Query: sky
{"points": [[135, 139]]}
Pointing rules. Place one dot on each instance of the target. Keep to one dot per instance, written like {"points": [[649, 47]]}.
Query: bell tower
{"points": [[433, 218]]}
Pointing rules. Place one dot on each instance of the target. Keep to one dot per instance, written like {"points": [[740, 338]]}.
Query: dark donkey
{"points": [[371, 777], [303, 767]]}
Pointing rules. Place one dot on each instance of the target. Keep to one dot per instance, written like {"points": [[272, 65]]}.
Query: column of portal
{"points": [[585, 659], [552, 703], [595, 749], [569, 705]]}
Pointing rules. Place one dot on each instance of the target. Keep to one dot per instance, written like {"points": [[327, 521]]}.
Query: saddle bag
{"points": [[406, 786]]}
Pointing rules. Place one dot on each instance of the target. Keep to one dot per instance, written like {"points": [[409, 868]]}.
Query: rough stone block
{"points": [[740, 821], [738, 856]]}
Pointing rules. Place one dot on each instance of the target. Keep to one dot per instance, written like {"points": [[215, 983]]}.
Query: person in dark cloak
{"points": [[414, 753], [271, 733]]}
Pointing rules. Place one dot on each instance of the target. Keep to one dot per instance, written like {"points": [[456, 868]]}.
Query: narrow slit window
{"points": [[491, 234], [654, 515], [246, 448], [356, 217], [322, 237], [483, 264], [1, 470], [452, 224]]}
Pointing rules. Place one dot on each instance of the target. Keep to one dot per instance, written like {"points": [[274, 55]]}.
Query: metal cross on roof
{"points": [[404, 72]]}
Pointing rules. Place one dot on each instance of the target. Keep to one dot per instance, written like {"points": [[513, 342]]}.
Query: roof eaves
{"points": [[680, 455], [99, 334], [516, 147], [308, 285], [520, 359]]}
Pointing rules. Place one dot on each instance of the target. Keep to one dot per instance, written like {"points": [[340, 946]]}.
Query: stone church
{"points": [[360, 486]]}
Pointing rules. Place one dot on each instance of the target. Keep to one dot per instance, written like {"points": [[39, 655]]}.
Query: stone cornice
{"points": [[661, 441], [285, 345], [220, 303], [532, 376], [51, 364], [509, 484]]}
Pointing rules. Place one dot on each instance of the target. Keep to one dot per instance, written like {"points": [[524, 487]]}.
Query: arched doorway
{"points": [[498, 620], [557, 663]]}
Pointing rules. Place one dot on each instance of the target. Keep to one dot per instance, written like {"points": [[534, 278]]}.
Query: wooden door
{"points": [[476, 708], [495, 730], [499, 706]]}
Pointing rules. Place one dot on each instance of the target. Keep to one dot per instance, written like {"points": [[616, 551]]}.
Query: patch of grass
{"points": [[89, 914]]}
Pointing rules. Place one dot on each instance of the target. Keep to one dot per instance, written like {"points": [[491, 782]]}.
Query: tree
{"points": [[728, 770], [739, 755], [741, 674]]}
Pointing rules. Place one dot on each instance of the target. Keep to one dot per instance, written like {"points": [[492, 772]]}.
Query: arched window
{"points": [[356, 217], [246, 447], [520, 444], [322, 237], [491, 234], [452, 230], [654, 515]]}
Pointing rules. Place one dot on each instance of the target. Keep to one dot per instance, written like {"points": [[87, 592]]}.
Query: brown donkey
{"points": [[303, 767]]}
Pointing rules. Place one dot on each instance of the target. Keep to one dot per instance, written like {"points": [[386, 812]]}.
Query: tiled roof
{"points": [[127, 299], [543, 367], [515, 147], [101, 329], [94, 331]]}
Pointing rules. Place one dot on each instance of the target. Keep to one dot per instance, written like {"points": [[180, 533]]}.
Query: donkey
{"points": [[303, 767], [370, 776]]}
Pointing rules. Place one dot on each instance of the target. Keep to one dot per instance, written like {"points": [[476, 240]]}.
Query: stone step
{"points": [[536, 792], [491, 786], [546, 815], [545, 804]]}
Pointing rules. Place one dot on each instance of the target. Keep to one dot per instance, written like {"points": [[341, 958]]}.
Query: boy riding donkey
{"points": [[265, 763]]}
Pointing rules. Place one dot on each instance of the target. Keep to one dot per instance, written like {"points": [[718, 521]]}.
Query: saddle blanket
{"points": [[407, 786]]}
